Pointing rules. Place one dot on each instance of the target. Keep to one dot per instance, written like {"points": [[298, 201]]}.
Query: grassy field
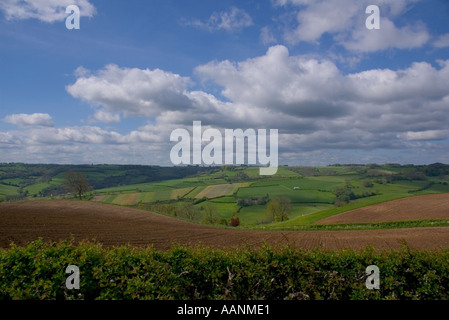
{"points": [[8, 190], [311, 191]]}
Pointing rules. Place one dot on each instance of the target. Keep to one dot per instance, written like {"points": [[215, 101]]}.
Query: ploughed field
{"points": [[430, 206], [23, 222]]}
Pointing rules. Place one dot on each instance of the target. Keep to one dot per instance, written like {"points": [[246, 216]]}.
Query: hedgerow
{"points": [[37, 271]]}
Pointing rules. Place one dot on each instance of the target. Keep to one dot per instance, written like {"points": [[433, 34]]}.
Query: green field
{"points": [[8, 190], [220, 190], [312, 197], [237, 191]]}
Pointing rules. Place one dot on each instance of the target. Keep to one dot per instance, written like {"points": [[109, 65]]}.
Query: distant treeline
{"points": [[408, 171], [99, 176], [21, 175]]}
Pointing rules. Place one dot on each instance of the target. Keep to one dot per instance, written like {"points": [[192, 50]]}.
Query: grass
{"points": [[220, 187], [280, 189], [312, 218], [192, 194], [179, 193], [8, 190], [162, 195], [126, 199], [256, 215], [387, 192], [252, 215], [312, 202], [220, 190], [224, 205], [145, 197], [369, 226]]}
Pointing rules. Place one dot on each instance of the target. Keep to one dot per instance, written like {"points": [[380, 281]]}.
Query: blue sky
{"points": [[112, 91]]}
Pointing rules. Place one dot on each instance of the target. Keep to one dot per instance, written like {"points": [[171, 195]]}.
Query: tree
{"points": [[367, 183], [211, 214], [189, 210], [278, 208], [235, 221], [343, 194], [77, 183]]}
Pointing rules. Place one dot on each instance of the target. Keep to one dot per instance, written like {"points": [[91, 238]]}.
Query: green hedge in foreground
{"points": [[38, 272]]}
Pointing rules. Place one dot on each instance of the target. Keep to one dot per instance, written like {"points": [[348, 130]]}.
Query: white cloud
{"points": [[299, 95], [44, 10], [321, 17], [442, 41], [318, 110], [85, 144], [133, 91], [106, 117], [74, 135], [266, 36], [279, 82], [388, 36], [426, 135], [28, 120], [345, 21], [367, 109], [233, 20]]}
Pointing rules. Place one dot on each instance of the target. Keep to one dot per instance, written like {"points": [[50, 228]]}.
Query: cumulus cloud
{"points": [[388, 36], [232, 20], [68, 135], [106, 117], [29, 120], [442, 41], [307, 98], [132, 91], [368, 109], [345, 21], [85, 144], [277, 81], [313, 104], [44, 10]]}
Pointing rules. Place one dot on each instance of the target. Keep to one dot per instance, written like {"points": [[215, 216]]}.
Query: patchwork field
{"points": [[22, 222], [217, 196], [220, 190]]}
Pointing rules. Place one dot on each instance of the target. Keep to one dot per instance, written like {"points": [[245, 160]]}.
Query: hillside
{"points": [[217, 195], [431, 206], [48, 179], [110, 225]]}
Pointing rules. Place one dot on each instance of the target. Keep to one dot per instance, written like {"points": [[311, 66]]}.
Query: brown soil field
{"points": [[431, 206], [111, 225]]}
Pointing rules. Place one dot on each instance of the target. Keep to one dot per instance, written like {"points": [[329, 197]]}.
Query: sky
{"points": [[113, 90]]}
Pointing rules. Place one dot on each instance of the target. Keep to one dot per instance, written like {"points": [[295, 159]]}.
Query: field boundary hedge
{"points": [[37, 272]]}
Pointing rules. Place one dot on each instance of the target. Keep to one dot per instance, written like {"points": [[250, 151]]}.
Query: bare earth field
{"points": [[431, 206], [111, 225]]}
